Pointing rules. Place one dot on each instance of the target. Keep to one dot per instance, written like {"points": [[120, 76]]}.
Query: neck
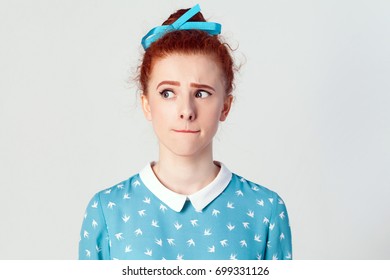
{"points": [[185, 174]]}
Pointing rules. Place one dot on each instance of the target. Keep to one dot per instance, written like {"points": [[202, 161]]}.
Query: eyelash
{"points": [[165, 91]]}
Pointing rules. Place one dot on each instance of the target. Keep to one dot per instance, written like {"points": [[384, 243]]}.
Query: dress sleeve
{"points": [[279, 243], [94, 239]]}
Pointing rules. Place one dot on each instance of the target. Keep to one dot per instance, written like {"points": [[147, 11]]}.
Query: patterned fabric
{"points": [[129, 221]]}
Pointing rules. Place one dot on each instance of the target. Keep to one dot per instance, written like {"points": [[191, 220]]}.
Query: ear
{"points": [[227, 104], [146, 107]]}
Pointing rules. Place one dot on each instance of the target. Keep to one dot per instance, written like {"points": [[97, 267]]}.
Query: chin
{"points": [[188, 150], [185, 152]]}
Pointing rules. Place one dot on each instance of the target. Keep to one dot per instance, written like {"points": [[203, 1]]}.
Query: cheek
{"points": [[211, 115], [161, 115]]}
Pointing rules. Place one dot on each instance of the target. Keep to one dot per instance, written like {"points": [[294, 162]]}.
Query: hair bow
{"points": [[181, 23]]}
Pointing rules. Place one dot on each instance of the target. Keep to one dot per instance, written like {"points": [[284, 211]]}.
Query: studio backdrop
{"points": [[310, 118]]}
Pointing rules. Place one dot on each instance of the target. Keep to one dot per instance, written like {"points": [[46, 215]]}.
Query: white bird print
{"points": [[148, 252], [271, 226], [128, 249], [230, 205], [138, 231], [288, 256], [215, 212], [111, 204], [233, 256], [230, 226], [146, 200], [242, 180], [275, 257], [281, 215], [142, 212], [194, 223], [207, 232], [179, 257], [177, 225], [239, 193], [119, 236], [125, 218], [88, 253], [120, 186], [108, 191], [258, 256], [95, 204], [255, 188], [251, 213], [260, 202], [136, 183], [94, 224], [85, 215], [98, 249], [257, 238], [271, 200], [211, 249], [158, 242], [86, 234], [163, 208], [126, 196], [265, 220], [190, 242], [155, 223], [245, 224], [224, 243], [243, 243], [280, 201], [171, 241], [269, 244], [281, 236]]}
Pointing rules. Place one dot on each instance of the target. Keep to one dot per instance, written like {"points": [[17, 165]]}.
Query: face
{"points": [[185, 102]]}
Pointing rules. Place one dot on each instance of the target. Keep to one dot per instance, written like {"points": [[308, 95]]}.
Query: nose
{"points": [[187, 110]]}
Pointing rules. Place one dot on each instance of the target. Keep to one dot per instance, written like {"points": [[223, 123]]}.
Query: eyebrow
{"points": [[175, 83], [195, 85], [172, 83]]}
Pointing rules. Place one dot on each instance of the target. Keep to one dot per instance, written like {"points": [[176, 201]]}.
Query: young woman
{"points": [[186, 205]]}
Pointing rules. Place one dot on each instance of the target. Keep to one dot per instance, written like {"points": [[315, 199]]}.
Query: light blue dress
{"points": [[231, 218]]}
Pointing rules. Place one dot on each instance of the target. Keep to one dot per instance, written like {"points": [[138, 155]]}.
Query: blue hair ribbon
{"points": [[181, 23]]}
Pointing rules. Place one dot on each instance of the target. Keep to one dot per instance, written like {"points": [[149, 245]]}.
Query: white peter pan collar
{"points": [[176, 201]]}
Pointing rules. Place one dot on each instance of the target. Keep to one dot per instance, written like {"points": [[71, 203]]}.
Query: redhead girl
{"points": [[186, 205]]}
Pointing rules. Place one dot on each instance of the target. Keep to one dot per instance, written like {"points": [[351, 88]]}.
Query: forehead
{"points": [[186, 68]]}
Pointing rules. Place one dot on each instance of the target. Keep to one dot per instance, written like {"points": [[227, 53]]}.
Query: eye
{"points": [[167, 94], [202, 94]]}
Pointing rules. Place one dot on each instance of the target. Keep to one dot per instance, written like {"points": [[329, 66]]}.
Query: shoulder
{"points": [[118, 192], [265, 200], [254, 189], [250, 193]]}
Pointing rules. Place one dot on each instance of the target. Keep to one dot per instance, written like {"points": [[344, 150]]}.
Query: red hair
{"points": [[187, 42]]}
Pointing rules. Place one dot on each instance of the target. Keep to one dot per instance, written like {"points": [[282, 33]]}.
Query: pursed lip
{"points": [[186, 131]]}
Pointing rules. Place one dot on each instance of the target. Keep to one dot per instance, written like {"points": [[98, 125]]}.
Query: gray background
{"points": [[310, 119]]}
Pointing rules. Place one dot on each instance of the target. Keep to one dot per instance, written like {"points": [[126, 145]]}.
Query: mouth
{"points": [[186, 131]]}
